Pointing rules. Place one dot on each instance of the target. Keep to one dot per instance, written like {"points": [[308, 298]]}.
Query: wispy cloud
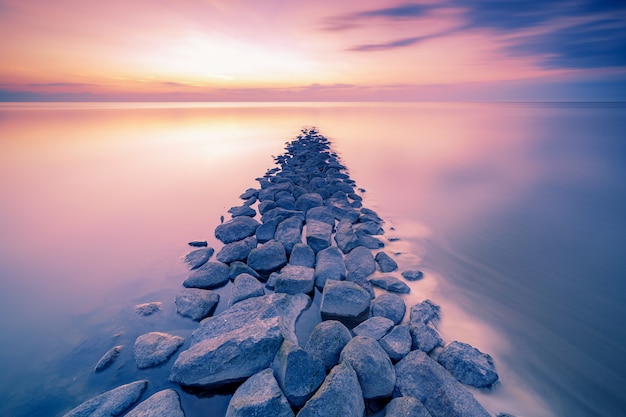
{"points": [[400, 43]]}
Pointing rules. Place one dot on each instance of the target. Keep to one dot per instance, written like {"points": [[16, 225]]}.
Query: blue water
{"points": [[514, 212]]}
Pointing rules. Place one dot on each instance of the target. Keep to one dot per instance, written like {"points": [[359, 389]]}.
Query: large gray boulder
{"points": [[318, 235], [302, 255], [360, 263], [111, 403], [345, 237], [279, 214], [266, 231], [289, 232], [268, 257], [406, 407], [238, 342], [308, 201], [423, 318], [294, 279], [210, 275], [196, 303], [108, 358], [468, 364], [266, 205], [198, 257], [385, 262], [397, 343], [259, 396], [329, 265], [236, 251], [419, 376], [298, 373], [245, 286], [375, 327], [326, 342], [391, 306], [236, 229], [155, 348], [163, 403], [344, 301], [238, 268], [339, 395], [372, 365], [321, 214], [391, 284]]}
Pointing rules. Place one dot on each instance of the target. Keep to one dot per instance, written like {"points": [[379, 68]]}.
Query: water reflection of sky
{"points": [[513, 211]]}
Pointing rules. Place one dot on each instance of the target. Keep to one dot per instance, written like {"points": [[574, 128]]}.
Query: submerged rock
{"points": [[326, 342], [419, 376], [163, 403], [339, 395], [198, 257], [198, 243], [298, 373], [412, 275], [268, 257], [259, 396], [389, 305], [147, 309], [245, 286], [236, 229], [372, 366], [111, 403], [196, 303], [238, 342], [468, 364], [344, 301], [154, 348], [212, 274], [108, 358]]}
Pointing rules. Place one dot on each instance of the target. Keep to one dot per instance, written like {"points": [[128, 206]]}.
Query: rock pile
{"points": [[314, 235]]}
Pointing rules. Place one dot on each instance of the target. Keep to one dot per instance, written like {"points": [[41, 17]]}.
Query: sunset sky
{"points": [[280, 50]]}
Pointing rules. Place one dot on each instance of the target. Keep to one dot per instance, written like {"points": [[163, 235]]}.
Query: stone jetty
{"points": [[302, 240]]}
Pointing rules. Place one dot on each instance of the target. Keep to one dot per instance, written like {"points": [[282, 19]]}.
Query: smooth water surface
{"points": [[513, 211]]}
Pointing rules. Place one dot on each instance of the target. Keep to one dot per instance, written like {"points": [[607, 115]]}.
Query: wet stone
{"points": [[307, 201], [266, 231], [397, 343], [289, 232], [294, 279], [329, 265], [238, 268], [111, 403], [389, 305], [391, 284], [154, 348], [406, 407], [196, 303], [345, 301], [385, 262], [298, 373], [198, 257], [326, 342], [374, 327], [242, 211], [423, 318], [236, 251], [372, 366], [108, 358], [321, 214], [148, 309], [210, 275], [245, 286], [413, 275], [345, 237], [360, 262], [163, 403], [468, 364], [259, 396], [268, 257], [236, 229]]}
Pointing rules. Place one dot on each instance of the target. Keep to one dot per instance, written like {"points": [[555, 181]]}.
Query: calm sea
{"points": [[514, 211]]}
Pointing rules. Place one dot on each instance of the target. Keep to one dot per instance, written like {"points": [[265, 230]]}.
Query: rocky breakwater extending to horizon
{"points": [[315, 249]]}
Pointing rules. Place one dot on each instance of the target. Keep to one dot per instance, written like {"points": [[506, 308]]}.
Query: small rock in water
{"points": [[198, 257], [249, 193], [468, 364], [374, 327], [259, 396], [390, 284], [413, 275], [369, 241], [245, 286], [212, 274], [385, 262], [326, 342], [164, 403], [389, 305], [198, 243], [242, 211], [147, 309], [154, 348], [236, 229], [108, 358], [111, 403], [196, 303], [372, 365]]}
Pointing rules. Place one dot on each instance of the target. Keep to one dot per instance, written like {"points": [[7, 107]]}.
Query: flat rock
{"points": [[329, 265], [298, 373], [198, 257], [397, 343], [360, 262], [268, 257], [389, 305], [154, 348], [391, 284], [163, 403], [339, 395], [198, 243], [236, 229], [259, 396], [245, 286], [345, 237], [344, 301], [294, 279], [147, 309], [412, 275], [385, 262], [309, 200], [236, 251], [212, 274], [321, 214], [289, 232], [242, 211], [318, 235], [240, 341], [406, 407], [196, 303], [372, 366], [374, 327], [419, 376], [111, 403], [369, 227], [326, 342], [423, 318], [108, 358], [468, 364], [302, 255]]}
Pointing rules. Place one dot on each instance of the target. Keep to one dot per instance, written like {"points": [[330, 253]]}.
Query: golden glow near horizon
{"points": [[245, 50]]}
